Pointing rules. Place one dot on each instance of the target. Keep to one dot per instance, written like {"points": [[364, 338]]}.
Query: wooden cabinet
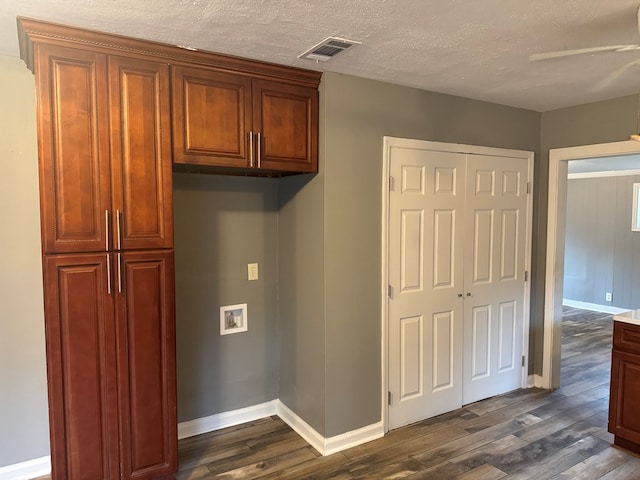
{"points": [[95, 322], [105, 153], [238, 121], [624, 421], [105, 170]]}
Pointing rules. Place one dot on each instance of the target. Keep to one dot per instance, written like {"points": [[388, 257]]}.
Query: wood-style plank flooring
{"points": [[527, 434]]}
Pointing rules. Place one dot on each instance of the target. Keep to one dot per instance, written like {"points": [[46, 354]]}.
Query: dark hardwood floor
{"points": [[527, 434]]}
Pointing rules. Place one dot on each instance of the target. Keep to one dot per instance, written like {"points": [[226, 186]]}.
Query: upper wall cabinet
{"points": [[105, 152], [245, 122]]}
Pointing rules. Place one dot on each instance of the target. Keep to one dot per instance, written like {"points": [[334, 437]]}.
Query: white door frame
{"points": [[554, 276], [388, 143]]}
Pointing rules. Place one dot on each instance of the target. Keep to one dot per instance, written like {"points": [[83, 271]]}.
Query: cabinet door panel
{"points": [[211, 117], [80, 359], [73, 149], [141, 153], [287, 118], [624, 420], [146, 361]]}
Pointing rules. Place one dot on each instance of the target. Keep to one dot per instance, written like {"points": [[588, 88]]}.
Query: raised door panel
{"points": [[286, 117], [624, 421], [80, 358], [146, 362], [211, 118], [141, 153], [73, 139]]}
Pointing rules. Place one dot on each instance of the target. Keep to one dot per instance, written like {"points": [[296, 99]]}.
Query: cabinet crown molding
{"points": [[32, 31]]}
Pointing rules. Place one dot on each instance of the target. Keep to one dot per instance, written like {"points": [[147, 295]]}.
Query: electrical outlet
{"points": [[252, 271], [608, 297]]}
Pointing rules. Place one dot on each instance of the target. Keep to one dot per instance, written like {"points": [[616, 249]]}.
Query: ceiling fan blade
{"points": [[580, 51], [613, 76]]}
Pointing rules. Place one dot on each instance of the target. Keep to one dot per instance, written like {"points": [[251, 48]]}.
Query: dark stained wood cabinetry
{"points": [[104, 133], [236, 120], [624, 421]]}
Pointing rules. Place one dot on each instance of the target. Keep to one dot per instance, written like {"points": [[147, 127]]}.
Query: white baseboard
{"points": [[325, 446], [301, 427], [26, 470], [226, 419], [353, 438], [535, 381], [593, 306]]}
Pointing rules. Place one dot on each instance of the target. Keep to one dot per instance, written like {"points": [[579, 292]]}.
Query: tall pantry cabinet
{"points": [[108, 261]]}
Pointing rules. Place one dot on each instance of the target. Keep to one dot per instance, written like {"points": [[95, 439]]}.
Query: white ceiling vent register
{"points": [[328, 48]]}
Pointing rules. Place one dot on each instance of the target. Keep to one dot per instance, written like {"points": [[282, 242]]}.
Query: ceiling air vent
{"points": [[328, 48]]}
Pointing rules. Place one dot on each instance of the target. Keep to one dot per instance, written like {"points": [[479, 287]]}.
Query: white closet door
{"points": [[426, 207], [496, 207]]}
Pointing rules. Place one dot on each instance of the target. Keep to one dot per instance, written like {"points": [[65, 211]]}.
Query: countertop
{"points": [[632, 316]]}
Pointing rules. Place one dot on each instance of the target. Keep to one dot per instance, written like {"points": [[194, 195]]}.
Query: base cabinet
{"points": [[624, 421], [110, 351]]}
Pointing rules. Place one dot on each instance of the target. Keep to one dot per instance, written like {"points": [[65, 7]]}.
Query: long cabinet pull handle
{"points": [[119, 274], [106, 230], [118, 215], [108, 274], [259, 150], [251, 149]]}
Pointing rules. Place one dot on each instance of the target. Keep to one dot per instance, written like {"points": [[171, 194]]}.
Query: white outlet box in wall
{"points": [[608, 297], [252, 270]]}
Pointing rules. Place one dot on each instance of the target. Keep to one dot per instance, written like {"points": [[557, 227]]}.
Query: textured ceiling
{"points": [[473, 48]]}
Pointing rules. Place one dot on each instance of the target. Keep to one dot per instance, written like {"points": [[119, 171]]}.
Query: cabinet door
{"points": [[80, 337], [146, 363], [211, 118], [287, 118], [141, 153], [73, 142], [624, 421]]}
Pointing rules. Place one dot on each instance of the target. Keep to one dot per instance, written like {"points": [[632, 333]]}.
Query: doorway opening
{"points": [[556, 227]]}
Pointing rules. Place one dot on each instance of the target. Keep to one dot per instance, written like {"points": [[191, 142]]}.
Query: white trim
{"points": [[353, 438], [25, 470], [594, 307], [301, 427], [607, 173], [558, 165], [226, 419], [326, 446], [534, 381]]}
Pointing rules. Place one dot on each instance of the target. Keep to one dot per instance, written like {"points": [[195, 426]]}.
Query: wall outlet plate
{"points": [[608, 296], [252, 271]]}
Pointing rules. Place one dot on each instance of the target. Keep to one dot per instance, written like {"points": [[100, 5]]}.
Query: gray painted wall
{"points": [[222, 223], [24, 428], [301, 262], [357, 114], [602, 253]]}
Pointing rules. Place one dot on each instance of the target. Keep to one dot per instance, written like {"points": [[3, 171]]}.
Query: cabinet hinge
{"points": [[528, 188], [390, 183], [389, 398], [522, 361], [389, 291], [526, 275]]}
